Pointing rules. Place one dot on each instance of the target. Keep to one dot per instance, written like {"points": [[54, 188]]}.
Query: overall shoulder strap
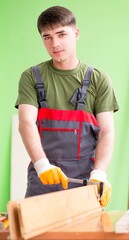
{"points": [[79, 95], [40, 88]]}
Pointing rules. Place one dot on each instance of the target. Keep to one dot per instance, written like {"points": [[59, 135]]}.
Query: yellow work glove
{"points": [[100, 176], [50, 174]]}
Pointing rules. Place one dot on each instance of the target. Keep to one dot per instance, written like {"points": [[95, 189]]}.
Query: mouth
{"points": [[58, 52]]}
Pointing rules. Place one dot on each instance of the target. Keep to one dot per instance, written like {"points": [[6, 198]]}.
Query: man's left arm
{"points": [[105, 145], [104, 152]]}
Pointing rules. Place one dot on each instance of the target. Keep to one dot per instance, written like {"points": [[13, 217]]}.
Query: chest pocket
{"points": [[60, 139]]}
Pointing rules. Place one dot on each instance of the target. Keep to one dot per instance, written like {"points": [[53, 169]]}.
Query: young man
{"points": [[65, 112]]}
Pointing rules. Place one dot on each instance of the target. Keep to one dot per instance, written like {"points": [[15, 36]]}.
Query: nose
{"points": [[55, 42]]}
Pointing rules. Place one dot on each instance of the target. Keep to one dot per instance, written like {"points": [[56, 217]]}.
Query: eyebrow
{"points": [[46, 35]]}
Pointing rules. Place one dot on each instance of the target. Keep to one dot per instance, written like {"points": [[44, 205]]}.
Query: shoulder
{"points": [[28, 77], [100, 77], [100, 81], [97, 76], [103, 91], [41, 66]]}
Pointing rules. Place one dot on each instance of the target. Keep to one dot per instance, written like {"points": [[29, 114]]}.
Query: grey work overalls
{"points": [[68, 138]]}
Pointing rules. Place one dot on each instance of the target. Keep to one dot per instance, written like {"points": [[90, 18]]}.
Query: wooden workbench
{"points": [[74, 214], [99, 226]]}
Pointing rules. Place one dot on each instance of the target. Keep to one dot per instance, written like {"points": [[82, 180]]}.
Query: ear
{"points": [[77, 33]]}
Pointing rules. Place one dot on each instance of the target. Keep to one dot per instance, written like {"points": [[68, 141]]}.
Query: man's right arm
{"points": [[29, 132], [48, 173]]}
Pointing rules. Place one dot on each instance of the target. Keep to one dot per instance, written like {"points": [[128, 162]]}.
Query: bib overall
{"points": [[68, 137]]}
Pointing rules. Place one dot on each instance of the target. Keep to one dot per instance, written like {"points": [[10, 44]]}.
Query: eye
{"points": [[62, 35], [46, 38]]}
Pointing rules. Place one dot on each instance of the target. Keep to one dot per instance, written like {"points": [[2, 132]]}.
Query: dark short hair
{"points": [[54, 17]]}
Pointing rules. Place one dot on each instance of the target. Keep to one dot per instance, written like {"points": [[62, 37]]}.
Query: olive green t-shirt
{"points": [[61, 84]]}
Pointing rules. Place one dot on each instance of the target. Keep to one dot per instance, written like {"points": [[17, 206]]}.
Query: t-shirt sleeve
{"points": [[26, 89], [105, 96]]}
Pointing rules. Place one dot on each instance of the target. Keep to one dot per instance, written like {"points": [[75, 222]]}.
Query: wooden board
{"points": [[14, 225], [39, 214]]}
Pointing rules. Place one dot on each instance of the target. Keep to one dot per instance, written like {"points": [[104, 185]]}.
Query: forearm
{"points": [[104, 150], [103, 158], [47, 173], [103, 155], [31, 140]]}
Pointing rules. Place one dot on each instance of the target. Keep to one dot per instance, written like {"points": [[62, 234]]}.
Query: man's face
{"points": [[60, 43]]}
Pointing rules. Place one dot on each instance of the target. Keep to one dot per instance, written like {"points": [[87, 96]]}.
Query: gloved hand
{"points": [[100, 176], [50, 174]]}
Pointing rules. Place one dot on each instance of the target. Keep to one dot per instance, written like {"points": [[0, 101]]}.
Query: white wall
{"points": [[19, 163]]}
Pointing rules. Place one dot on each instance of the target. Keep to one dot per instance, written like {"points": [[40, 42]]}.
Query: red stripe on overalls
{"points": [[66, 115]]}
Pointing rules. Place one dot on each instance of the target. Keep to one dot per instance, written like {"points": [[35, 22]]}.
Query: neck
{"points": [[66, 65]]}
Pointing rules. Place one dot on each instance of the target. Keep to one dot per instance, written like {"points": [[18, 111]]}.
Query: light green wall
{"points": [[103, 43]]}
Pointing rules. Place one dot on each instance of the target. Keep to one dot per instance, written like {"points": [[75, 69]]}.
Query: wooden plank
{"points": [[14, 226], [43, 213]]}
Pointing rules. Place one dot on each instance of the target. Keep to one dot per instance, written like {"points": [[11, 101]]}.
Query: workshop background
{"points": [[103, 43]]}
